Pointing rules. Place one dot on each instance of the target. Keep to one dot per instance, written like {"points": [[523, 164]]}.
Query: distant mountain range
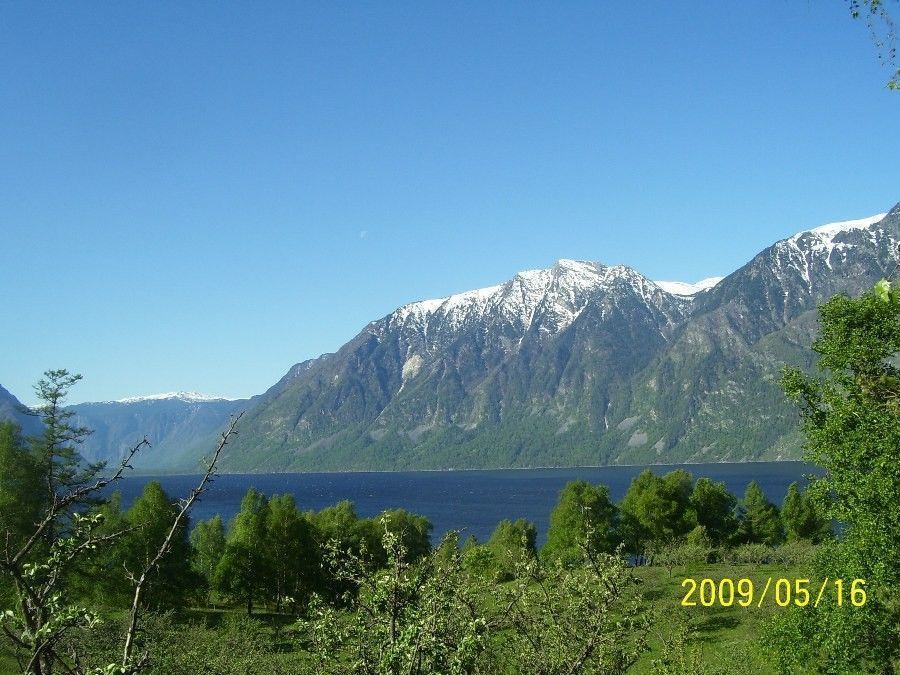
{"points": [[180, 426], [580, 363]]}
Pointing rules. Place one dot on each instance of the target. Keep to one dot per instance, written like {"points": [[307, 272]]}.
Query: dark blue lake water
{"points": [[471, 501]]}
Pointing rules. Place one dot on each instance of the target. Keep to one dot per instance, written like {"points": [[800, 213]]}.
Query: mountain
{"points": [[12, 409], [180, 426], [580, 363]]}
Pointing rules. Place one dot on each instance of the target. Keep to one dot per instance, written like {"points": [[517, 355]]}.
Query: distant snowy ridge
{"points": [[186, 396], [686, 289], [831, 229]]}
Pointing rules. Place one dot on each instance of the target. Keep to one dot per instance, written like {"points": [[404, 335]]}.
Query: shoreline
{"points": [[137, 474]]}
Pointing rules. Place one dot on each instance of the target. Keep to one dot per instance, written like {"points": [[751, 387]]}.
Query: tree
{"points": [[208, 546], [244, 571], [56, 450], [761, 522], [149, 521], [292, 554], [510, 544], [411, 617], [44, 613], [850, 414], [656, 510], [582, 508], [576, 618], [801, 518], [714, 510]]}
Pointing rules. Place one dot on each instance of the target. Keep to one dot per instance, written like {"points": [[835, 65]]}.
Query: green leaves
{"points": [[883, 290]]}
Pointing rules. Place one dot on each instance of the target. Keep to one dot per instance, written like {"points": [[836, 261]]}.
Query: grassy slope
{"points": [[727, 636]]}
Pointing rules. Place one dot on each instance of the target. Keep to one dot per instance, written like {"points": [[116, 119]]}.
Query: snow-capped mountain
{"points": [[577, 363]]}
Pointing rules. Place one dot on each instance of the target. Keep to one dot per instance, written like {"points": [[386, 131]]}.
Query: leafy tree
{"points": [[292, 553], [244, 573], [851, 419], [657, 510], [582, 508], [714, 509], [207, 546], [149, 521], [413, 530], [761, 522], [511, 543], [801, 517], [45, 612], [412, 617], [576, 618]]}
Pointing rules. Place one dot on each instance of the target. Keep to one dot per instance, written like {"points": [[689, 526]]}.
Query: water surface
{"points": [[471, 501]]}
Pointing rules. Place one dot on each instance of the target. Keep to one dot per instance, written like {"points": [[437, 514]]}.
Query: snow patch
{"points": [[186, 396], [829, 230], [686, 289]]}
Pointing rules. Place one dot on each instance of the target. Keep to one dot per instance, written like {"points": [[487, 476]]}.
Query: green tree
{"points": [[56, 450], [410, 617], [208, 546], [657, 510], [149, 520], [293, 556], [761, 522], [582, 510], [801, 517], [244, 573], [511, 543], [850, 416], [714, 509]]}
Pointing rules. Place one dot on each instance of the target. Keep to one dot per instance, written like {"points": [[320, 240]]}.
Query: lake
{"points": [[471, 501]]}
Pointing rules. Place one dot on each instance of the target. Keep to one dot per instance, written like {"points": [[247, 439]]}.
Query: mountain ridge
{"points": [[555, 367], [577, 363]]}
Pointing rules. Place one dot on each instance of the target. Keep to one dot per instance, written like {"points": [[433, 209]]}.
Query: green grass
{"points": [[728, 637]]}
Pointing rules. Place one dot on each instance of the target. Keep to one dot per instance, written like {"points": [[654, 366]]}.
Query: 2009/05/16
{"points": [[727, 592]]}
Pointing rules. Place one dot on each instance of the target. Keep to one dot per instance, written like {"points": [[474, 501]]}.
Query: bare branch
{"points": [[127, 665]]}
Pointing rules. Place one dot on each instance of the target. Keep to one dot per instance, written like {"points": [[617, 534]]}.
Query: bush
{"points": [[795, 553], [749, 554]]}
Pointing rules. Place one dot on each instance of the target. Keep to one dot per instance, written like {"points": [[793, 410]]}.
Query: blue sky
{"points": [[195, 196]]}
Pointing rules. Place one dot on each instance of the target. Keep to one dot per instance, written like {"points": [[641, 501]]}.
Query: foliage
{"points": [[802, 518], [290, 548], [414, 617], [761, 522], [565, 619], [851, 419], [21, 489], [883, 32], [244, 572], [582, 508], [208, 546], [714, 509], [656, 510]]}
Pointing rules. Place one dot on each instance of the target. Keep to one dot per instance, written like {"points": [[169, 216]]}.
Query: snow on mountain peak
{"points": [[829, 230], [685, 289], [186, 396], [555, 296]]}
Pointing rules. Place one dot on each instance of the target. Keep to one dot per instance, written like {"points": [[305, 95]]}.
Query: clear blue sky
{"points": [[196, 196]]}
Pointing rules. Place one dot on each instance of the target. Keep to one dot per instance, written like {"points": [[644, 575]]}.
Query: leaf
{"points": [[883, 290]]}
